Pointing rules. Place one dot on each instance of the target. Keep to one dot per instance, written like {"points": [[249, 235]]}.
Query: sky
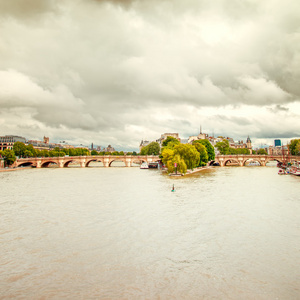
{"points": [[117, 72]]}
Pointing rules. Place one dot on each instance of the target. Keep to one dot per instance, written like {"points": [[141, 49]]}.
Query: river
{"points": [[120, 233]]}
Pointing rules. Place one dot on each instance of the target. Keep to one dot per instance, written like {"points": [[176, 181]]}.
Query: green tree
{"points": [[167, 155], [189, 154], [168, 140], [223, 147], [121, 153], [294, 146], [209, 148], [44, 153], [31, 150], [178, 162], [8, 156], [203, 153], [27, 153], [261, 151], [66, 151], [19, 149], [151, 149], [94, 152]]}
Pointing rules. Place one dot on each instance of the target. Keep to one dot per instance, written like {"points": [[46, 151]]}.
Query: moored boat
{"points": [[281, 172], [294, 169], [144, 165]]}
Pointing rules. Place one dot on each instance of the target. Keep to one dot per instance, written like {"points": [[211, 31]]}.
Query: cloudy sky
{"points": [[116, 72]]}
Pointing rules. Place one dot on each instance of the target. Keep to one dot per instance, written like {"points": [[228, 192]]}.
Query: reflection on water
{"points": [[119, 233]]}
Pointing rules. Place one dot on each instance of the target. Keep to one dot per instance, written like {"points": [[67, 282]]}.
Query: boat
{"points": [[294, 169], [281, 172], [153, 165], [144, 165], [254, 163]]}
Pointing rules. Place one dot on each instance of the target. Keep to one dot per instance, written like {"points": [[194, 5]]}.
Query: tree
{"points": [[27, 153], [203, 153], [168, 140], [167, 155], [261, 151], [29, 148], [189, 154], [176, 164], [294, 147], [9, 156], [44, 153], [19, 148], [223, 147], [209, 148], [151, 149], [94, 152]]}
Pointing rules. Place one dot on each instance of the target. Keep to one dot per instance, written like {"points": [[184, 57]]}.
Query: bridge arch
{"points": [[47, 163], [252, 159], [116, 159], [229, 160], [274, 159], [25, 164], [95, 160], [66, 164]]}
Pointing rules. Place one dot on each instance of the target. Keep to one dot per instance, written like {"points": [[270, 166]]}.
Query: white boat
{"points": [[144, 165], [294, 169]]}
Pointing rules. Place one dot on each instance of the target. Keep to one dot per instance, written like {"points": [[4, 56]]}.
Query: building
{"points": [[143, 144], [278, 150], [109, 148], [7, 141], [165, 135], [277, 143], [200, 136]]}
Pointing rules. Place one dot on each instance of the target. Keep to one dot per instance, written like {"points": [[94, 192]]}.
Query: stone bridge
{"points": [[261, 159], [84, 161]]}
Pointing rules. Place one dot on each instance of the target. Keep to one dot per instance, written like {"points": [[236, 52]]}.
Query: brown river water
{"points": [[120, 233]]}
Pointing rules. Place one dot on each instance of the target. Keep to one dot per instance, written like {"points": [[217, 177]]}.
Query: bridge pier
{"points": [[241, 161], [106, 162]]}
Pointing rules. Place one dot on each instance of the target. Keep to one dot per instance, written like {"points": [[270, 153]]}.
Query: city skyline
{"points": [[116, 72]]}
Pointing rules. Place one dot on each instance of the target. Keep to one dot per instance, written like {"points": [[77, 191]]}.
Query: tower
{"points": [[249, 146], [46, 140]]}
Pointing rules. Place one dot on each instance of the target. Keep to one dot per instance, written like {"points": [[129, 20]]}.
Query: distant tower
{"points": [[46, 140], [200, 129], [277, 143], [249, 146], [92, 147]]}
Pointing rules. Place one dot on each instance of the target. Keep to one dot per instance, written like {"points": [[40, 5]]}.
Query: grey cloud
{"points": [[278, 108], [99, 69], [25, 9]]}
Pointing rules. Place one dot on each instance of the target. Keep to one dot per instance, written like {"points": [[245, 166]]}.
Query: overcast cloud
{"points": [[116, 72]]}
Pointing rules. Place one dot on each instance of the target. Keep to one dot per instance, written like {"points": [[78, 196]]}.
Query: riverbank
{"points": [[14, 169], [191, 171]]}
